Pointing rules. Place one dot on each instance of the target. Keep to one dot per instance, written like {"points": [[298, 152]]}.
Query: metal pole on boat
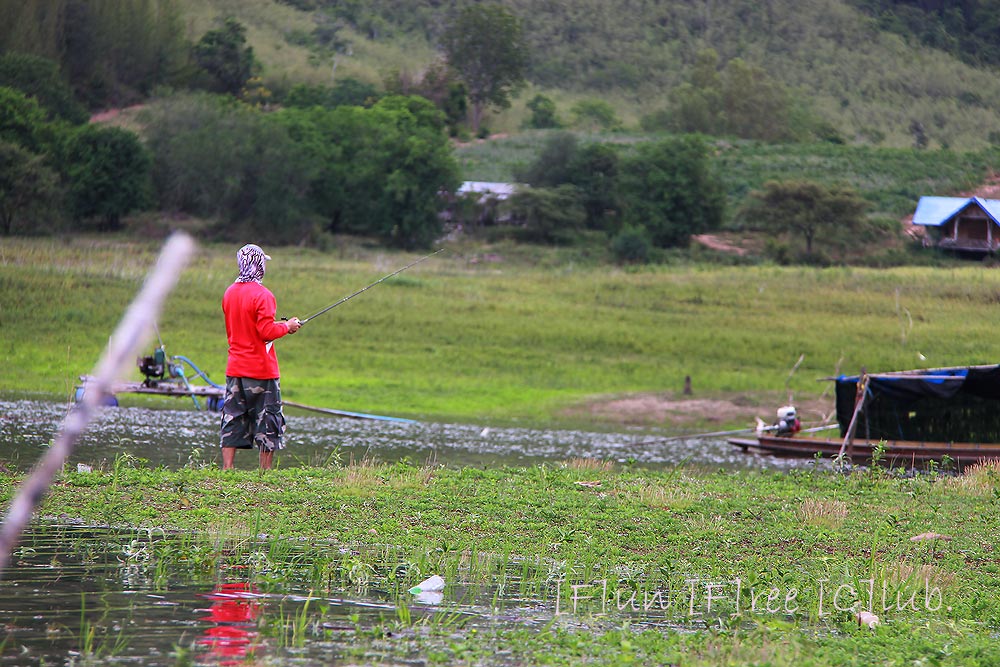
{"points": [[849, 438], [367, 287]]}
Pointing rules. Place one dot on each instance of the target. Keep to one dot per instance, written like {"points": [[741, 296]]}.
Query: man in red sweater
{"points": [[251, 412]]}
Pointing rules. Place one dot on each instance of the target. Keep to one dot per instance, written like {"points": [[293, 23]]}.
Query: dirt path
{"points": [[715, 243], [684, 413]]}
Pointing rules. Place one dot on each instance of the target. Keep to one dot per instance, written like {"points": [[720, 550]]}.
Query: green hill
{"points": [[866, 77]]}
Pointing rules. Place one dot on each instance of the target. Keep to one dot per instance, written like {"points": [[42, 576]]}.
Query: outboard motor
{"points": [[788, 423]]}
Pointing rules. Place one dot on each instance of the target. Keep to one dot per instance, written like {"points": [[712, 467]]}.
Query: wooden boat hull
{"points": [[896, 452]]}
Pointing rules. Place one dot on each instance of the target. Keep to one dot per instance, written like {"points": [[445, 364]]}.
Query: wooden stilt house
{"points": [[966, 224]]}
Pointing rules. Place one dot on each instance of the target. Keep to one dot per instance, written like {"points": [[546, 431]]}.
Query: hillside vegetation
{"points": [[840, 64], [637, 125]]}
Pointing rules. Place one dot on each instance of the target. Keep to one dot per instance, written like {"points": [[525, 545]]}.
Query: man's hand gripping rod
{"points": [[367, 287]]}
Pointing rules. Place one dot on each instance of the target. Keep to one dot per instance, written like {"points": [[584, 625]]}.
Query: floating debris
{"points": [[433, 583]]}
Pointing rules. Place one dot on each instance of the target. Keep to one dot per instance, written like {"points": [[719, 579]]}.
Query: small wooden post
{"points": [[687, 385]]}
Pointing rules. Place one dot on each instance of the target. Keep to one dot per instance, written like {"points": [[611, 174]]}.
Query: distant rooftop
{"points": [[498, 189]]}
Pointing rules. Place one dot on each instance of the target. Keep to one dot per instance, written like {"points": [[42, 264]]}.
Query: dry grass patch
{"points": [[825, 513], [589, 464], [978, 479], [364, 474], [918, 574], [666, 497]]}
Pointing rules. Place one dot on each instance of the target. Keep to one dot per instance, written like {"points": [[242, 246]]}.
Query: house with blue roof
{"points": [[965, 224]]}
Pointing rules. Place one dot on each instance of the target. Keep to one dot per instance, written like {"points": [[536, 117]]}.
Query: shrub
{"points": [[109, 172], [631, 245], [39, 78], [669, 188]]}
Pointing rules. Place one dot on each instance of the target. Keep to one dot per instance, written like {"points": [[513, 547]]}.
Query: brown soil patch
{"points": [[716, 243], [683, 413], [114, 114], [988, 189]]}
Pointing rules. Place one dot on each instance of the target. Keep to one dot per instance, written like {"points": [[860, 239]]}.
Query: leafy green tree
{"points": [[740, 100], [22, 121], [595, 115], [485, 45], [439, 84], [543, 113], [549, 215], [39, 78], [379, 171], [217, 158], [594, 170], [224, 54], [346, 92], [29, 190], [552, 166], [669, 188], [756, 106], [108, 171], [805, 208], [418, 166]]}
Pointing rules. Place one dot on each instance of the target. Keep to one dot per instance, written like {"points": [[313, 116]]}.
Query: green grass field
{"points": [[500, 333]]}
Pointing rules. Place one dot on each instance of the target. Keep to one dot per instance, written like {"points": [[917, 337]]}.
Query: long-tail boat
{"points": [[902, 418]]}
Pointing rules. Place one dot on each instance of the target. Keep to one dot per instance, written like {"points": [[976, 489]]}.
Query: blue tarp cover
{"points": [[960, 404]]}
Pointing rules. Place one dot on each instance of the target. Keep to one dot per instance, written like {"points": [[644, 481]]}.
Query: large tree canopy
{"points": [[224, 54], [380, 170], [669, 188], [108, 172], [485, 45], [39, 78], [805, 208], [29, 191]]}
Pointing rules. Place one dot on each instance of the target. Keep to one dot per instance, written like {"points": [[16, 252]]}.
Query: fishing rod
{"points": [[367, 287], [756, 429]]}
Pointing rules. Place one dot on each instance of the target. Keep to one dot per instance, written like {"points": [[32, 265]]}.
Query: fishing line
{"points": [[367, 287]]}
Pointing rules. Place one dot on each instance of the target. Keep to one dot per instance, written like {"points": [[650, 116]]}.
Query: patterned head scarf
{"points": [[250, 259]]}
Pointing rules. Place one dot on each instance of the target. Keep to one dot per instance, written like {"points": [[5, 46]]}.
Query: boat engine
{"points": [[788, 422]]}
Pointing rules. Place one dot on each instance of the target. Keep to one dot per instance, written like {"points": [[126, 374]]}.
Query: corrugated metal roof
{"points": [[501, 190], [935, 211]]}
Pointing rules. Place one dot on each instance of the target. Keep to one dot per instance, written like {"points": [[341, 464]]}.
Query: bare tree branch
{"points": [[127, 339]]}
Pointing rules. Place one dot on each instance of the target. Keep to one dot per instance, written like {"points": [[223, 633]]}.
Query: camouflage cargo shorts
{"points": [[251, 415]]}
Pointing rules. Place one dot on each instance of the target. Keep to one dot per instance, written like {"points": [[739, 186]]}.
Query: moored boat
{"points": [[903, 418]]}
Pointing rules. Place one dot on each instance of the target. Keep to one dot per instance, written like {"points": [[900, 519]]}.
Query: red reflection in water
{"points": [[234, 611]]}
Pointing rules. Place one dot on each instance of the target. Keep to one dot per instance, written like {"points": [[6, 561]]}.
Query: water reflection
{"points": [[80, 595], [174, 438], [232, 635]]}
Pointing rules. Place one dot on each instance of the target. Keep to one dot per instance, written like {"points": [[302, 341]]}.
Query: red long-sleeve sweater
{"points": [[249, 311]]}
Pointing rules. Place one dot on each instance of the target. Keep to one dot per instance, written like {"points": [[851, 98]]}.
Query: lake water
{"points": [[172, 438], [95, 595]]}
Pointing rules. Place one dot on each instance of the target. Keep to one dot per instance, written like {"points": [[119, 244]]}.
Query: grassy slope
{"points": [[465, 338], [862, 80]]}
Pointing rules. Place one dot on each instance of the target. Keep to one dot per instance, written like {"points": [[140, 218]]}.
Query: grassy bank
{"points": [[807, 550], [498, 334]]}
